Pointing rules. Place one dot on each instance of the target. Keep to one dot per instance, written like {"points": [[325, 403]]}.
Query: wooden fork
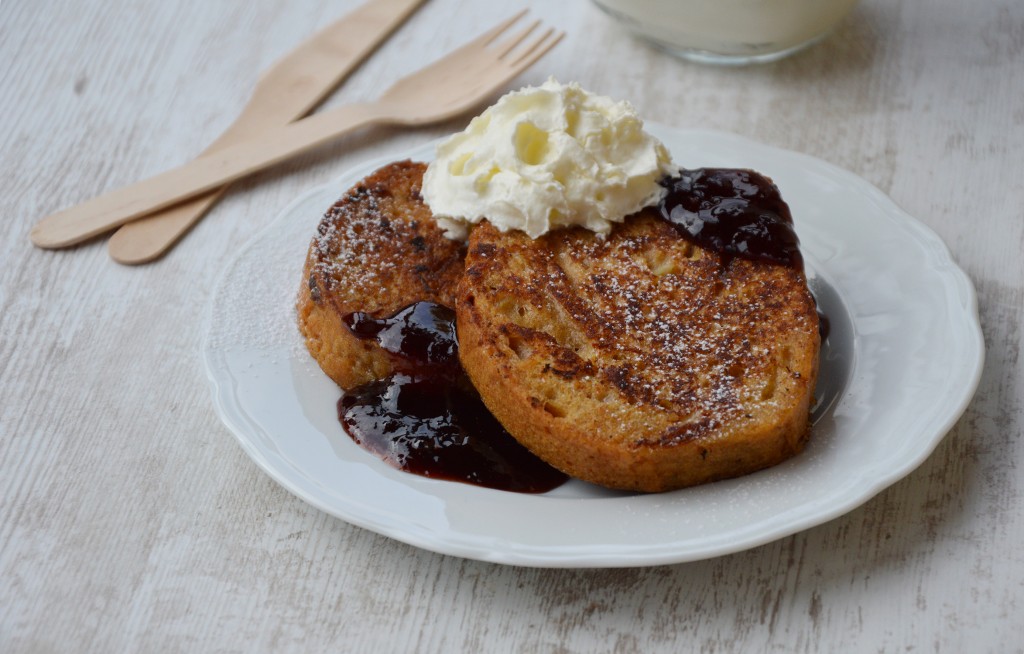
{"points": [[450, 86]]}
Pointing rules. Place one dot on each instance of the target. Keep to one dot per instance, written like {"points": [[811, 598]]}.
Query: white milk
{"points": [[729, 31]]}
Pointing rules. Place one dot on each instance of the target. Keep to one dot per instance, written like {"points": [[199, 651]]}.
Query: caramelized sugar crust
{"points": [[640, 361], [376, 250]]}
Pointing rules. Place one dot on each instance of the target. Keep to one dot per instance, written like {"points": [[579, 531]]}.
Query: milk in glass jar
{"points": [[729, 31]]}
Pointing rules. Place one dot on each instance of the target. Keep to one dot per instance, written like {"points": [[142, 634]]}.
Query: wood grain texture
{"points": [[131, 521]]}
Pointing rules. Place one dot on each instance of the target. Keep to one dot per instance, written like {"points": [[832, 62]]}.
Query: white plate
{"points": [[903, 360]]}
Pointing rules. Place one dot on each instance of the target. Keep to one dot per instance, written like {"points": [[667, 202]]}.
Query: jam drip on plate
{"points": [[736, 212], [426, 418]]}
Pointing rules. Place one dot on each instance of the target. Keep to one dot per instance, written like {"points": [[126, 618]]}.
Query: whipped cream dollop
{"points": [[547, 157]]}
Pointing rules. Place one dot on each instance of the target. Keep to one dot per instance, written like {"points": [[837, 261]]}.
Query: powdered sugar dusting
{"points": [[699, 340], [343, 246]]}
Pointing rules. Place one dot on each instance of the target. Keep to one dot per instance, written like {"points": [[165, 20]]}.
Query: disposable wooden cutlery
{"points": [[289, 90], [450, 86]]}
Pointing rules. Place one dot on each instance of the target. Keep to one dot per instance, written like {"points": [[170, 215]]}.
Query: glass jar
{"points": [[729, 31]]}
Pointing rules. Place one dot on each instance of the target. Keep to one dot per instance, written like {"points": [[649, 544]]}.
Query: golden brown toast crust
{"points": [[638, 362], [376, 250]]}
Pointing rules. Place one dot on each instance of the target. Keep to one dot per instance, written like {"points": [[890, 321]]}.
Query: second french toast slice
{"points": [[377, 250]]}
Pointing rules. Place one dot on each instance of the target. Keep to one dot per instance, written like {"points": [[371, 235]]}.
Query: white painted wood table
{"points": [[131, 521]]}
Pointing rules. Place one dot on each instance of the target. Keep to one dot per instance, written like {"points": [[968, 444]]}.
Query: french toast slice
{"points": [[377, 250], [641, 361]]}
